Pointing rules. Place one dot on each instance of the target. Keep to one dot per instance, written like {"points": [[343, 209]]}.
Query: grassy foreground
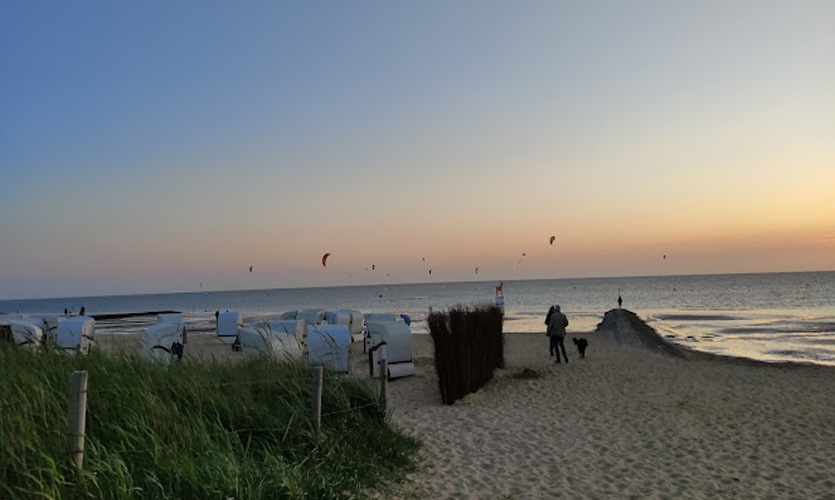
{"points": [[192, 430]]}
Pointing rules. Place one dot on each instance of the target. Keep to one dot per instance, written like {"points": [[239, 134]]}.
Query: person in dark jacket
{"points": [[547, 319], [556, 333]]}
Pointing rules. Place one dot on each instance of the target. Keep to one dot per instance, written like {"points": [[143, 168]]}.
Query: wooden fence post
{"points": [[77, 417], [317, 398], [384, 377]]}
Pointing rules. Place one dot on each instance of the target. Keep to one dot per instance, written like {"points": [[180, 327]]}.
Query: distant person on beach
{"points": [[547, 320], [81, 311], [556, 333], [65, 311], [620, 301]]}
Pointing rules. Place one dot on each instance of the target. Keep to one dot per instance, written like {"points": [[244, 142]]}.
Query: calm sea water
{"points": [[774, 317]]}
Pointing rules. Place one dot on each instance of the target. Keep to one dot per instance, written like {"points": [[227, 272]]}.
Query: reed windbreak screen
{"points": [[469, 346]]}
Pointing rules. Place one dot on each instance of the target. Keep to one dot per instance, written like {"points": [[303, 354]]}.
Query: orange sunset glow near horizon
{"points": [[152, 148]]}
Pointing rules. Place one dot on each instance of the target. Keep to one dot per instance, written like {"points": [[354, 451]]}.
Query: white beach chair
{"points": [[374, 318], [227, 328], [281, 340], [392, 340], [312, 316], [159, 341], [76, 334], [26, 334], [355, 321], [328, 345], [357, 326]]}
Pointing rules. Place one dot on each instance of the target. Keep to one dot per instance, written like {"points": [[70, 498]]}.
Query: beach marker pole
{"points": [[77, 417], [317, 398]]}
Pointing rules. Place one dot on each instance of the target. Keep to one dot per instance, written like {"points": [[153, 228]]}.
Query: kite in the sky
{"points": [[552, 239], [430, 271], [476, 270], [373, 266], [250, 268], [325, 260], [665, 257]]}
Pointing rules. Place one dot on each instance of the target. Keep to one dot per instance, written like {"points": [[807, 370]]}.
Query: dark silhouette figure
{"points": [[81, 311], [65, 311], [581, 346], [620, 301], [177, 350], [547, 320], [556, 332]]}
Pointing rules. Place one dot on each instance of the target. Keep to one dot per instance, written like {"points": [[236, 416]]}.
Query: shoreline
{"points": [[650, 339]]}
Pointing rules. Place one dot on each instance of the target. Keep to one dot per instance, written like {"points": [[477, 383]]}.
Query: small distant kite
{"points": [[552, 240], [476, 270], [665, 257], [430, 272], [523, 254], [373, 266], [250, 268], [325, 260], [424, 259]]}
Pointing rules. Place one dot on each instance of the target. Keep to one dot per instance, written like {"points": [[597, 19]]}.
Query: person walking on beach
{"points": [[620, 301], [556, 333], [547, 333]]}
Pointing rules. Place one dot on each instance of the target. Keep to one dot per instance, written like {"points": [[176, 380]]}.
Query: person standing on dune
{"points": [[556, 332]]}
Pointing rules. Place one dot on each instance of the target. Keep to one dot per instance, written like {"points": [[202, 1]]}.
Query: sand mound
{"points": [[626, 328]]}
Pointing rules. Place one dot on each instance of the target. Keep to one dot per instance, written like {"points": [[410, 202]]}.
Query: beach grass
{"points": [[196, 429]]}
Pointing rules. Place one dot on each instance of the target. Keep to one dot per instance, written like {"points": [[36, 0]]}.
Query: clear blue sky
{"points": [[153, 146]]}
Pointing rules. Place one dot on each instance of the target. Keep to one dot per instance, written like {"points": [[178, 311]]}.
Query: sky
{"points": [[150, 147]]}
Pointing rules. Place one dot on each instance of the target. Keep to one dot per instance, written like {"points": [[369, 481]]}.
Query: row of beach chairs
{"points": [[323, 338], [73, 334], [312, 336]]}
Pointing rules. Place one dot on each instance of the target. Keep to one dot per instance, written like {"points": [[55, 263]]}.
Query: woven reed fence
{"points": [[469, 346]]}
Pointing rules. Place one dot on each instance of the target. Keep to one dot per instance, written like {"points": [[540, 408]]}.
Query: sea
{"points": [[771, 317]]}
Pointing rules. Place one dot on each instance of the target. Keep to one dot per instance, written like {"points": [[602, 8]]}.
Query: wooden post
{"points": [[384, 377], [317, 398], [77, 417]]}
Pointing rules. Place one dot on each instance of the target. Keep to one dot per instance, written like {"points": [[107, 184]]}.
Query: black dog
{"points": [[581, 346]]}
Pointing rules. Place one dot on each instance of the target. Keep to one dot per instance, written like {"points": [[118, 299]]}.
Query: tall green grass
{"points": [[196, 429]]}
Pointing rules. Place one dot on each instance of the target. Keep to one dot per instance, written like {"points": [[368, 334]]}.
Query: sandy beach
{"points": [[629, 421]]}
